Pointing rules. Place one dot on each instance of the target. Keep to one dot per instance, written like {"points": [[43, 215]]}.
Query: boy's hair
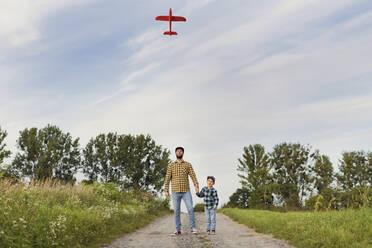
{"points": [[212, 178]]}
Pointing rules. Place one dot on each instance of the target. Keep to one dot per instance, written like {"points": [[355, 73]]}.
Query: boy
{"points": [[211, 202]]}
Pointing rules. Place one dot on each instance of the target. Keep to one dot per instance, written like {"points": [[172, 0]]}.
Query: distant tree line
{"points": [[132, 162], [295, 176]]}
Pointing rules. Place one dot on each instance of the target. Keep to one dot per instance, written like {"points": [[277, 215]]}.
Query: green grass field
{"points": [[64, 216], [341, 229]]}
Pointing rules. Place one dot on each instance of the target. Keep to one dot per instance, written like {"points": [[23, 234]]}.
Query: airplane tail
{"points": [[170, 33]]}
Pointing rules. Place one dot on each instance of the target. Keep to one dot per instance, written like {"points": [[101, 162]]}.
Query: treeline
{"points": [[295, 176], [131, 162]]}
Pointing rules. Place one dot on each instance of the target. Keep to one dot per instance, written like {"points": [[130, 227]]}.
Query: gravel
{"points": [[228, 234]]}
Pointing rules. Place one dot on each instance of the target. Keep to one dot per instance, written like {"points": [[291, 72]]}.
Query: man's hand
{"points": [[214, 208], [166, 194], [197, 190]]}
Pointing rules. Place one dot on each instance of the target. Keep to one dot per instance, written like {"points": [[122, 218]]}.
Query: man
{"points": [[178, 172]]}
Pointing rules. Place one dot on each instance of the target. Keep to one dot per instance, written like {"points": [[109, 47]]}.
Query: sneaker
{"points": [[194, 231], [208, 232], [213, 232], [176, 233]]}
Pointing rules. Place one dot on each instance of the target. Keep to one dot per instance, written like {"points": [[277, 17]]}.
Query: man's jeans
{"points": [[187, 198], [210, 216]]}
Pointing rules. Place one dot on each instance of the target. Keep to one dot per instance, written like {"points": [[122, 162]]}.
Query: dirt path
{"points": [[228, 234]]}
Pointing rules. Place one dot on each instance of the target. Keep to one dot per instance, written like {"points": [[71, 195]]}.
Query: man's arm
{"points": [[193, 177], [168, 177]]}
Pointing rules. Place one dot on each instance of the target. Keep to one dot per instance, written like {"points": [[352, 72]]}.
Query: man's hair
{"points": [[212, 178], [179, 147]]}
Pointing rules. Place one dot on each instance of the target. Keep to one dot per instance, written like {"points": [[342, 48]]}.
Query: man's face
{"points": [[179, 153], [210, 182]]}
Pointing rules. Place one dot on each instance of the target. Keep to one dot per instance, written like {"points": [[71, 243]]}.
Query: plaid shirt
{"points": [[178, 172], [210, 197]]}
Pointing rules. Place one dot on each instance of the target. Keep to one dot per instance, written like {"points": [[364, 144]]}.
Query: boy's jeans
{"points": [[210, 215], [187, 198]]}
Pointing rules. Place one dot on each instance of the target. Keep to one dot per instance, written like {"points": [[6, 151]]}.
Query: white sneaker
{"points": [[194, 231]]}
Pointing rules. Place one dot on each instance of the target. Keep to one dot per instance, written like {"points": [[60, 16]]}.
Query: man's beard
{"points": [[179, 157]]}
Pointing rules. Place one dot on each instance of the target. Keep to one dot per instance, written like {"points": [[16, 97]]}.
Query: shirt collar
{"points": [[179, 160]]}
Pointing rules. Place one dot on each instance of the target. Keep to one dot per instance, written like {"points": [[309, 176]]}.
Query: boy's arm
{"points": [[201, 193], [168, 177], [216, 200]]}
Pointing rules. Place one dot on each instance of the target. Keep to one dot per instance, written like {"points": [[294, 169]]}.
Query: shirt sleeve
{"points": [[168, 177], [216, 200], [201, 193], [193, 176]]}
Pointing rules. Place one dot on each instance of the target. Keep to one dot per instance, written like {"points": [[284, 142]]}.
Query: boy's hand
{"points": [[214, 208], [166, 194], [197, 190]]}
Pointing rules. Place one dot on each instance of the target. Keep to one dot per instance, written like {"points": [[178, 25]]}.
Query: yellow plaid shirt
{"points": [[178, 172]]}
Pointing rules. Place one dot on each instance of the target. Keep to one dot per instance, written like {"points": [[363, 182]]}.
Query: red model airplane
{"points": [[170, 19]]}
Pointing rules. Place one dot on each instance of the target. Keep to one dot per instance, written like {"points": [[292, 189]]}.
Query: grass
{"points": [[341, 229], [55, 215], [203, 239]]}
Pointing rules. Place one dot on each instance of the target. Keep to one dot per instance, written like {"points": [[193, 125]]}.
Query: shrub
{"points": [[48, 214], [199, 207]]}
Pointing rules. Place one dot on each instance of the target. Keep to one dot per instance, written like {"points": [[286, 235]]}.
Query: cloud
{"points": [[281, 77], [129, 82], [20, 20]]}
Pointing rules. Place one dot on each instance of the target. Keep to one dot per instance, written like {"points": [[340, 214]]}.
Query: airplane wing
{"points": [[162, 18], [178, 19]]}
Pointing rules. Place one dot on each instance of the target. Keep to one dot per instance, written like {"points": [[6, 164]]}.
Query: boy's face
{"points": [[210, 183]]}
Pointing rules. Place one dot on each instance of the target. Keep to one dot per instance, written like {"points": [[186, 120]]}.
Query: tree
{"points": [[3, 152], [323, 173], [291, 167], [47, 153], [130, 161], [5, 172], [146, 163], [256, 177], [240, 198], [355, 169], [101, 159]]}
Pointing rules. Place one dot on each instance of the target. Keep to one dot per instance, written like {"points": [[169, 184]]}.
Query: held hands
{"points": [[166, 194]]}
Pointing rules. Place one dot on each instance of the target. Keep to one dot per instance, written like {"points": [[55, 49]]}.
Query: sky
{"points": [[238, 73]]}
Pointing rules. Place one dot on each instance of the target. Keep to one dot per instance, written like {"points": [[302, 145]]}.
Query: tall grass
{"points": [[50, 214], [341, 229]]}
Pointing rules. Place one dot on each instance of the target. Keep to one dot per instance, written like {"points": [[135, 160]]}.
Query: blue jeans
{"points": [[210, 216], [187, 198]]}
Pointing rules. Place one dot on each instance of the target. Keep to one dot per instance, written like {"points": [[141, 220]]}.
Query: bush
{"points": [[55, 215], [330, 199], [357, 197], [199, 207]]}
